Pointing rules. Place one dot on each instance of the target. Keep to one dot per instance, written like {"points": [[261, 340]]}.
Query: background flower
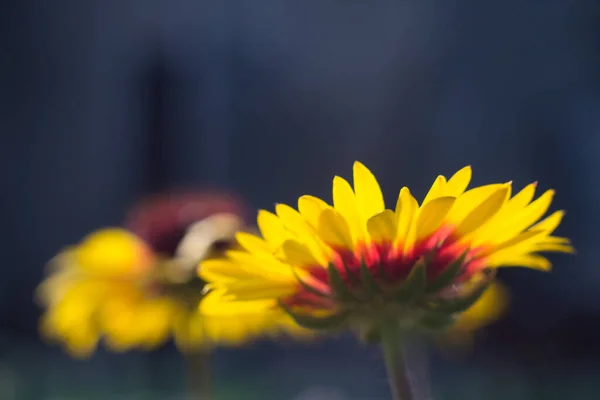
{"points": [[136, 293]]}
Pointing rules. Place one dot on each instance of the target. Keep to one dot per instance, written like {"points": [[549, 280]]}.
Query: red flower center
{"points": [[389, 265]]}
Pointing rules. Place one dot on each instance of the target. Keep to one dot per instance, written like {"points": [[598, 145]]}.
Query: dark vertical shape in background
{"points": [[154, 83]]}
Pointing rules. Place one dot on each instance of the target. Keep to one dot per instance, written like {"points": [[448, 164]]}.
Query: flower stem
{"points": [[397, 371], [199, 375]]}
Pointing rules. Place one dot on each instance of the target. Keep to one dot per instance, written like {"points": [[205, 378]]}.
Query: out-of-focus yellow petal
{"points": [[260, 289], [189, 330], [252, 243], [225, 270], [259, 266], [490, 307], [83, 341], [113, 252], [234, 322]]}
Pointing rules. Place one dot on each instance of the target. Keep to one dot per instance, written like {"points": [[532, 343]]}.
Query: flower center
{"points": [[388, 266]]}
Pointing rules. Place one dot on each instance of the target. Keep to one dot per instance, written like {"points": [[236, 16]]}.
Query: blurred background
{"points": [[104, 102]]}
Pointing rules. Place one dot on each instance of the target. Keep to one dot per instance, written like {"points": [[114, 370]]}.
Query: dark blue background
{"points": [[105, 101]]}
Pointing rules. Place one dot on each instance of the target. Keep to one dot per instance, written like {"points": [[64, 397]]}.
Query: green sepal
{"points": [[414, 285], [351, 276], [436, 321], [371, 336], [340, 288], [309, 288], [318, 323], [447, 276], [463, 303], [368, 281]]}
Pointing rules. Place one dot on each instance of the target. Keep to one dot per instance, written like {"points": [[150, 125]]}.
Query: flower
{"points": [[114, 287], [357, 264], [491, 306]]}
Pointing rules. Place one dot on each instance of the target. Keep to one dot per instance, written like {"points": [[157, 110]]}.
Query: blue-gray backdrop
{"points": [[104, 101]]}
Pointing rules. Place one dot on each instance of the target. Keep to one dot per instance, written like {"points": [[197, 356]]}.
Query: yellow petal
{"points": [[112, 252], [525, 260], [263, 267], [490, 306], [527, 217], [382, 227], [432, 215], [471, 199], [458, 183], [553, 247], [153, 320], [272, 229], [521, 199], [334, 230], [550, 223], [557, 240], [252, 243], [218, 303], [483, 211], [406, 209], [82, 342], [222, 270], [436, 190], [509, 223], [260, 289], [189, 331], [298, 255], [344, 202], [306, 234], [518, 244], [310, 208], [369, 198]]}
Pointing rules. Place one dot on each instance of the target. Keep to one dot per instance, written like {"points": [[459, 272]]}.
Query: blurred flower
{"points": [[114, 286], [103, 287], [357, 264], [491, 306]]}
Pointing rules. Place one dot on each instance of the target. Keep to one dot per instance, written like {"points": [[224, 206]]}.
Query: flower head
{"points": [[356, 263], [114, 287]]}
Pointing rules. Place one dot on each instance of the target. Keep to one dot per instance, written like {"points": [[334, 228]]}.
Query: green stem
{"points": [[199, 375], [398, 374]]}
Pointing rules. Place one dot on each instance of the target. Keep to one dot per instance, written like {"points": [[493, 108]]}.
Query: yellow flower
{"points": [[491, 306], [111, 287], [356, 263]]}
